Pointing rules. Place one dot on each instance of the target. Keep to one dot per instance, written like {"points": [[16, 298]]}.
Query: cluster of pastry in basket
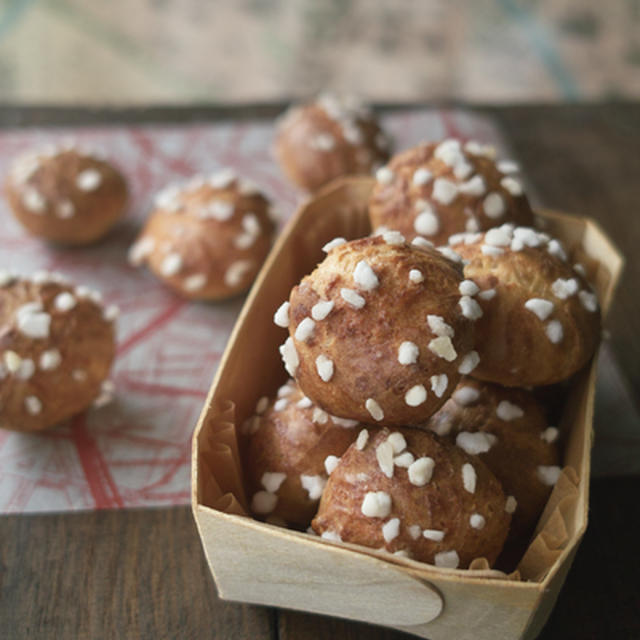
{"points": [[409, 424]]}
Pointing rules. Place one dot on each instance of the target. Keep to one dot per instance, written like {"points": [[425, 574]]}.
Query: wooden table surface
{"points": [[142, 574]]}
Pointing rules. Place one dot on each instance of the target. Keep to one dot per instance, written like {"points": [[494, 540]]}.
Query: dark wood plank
{"points": [[586, 159], [51, 116], [116, 574], [303, 626], [601, 597]]}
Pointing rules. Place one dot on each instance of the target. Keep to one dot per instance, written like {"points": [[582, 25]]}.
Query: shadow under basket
{"points": [[264, 564]]}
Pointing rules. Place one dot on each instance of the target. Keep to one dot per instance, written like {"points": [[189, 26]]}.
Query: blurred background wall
{"points": [[185, 51]]}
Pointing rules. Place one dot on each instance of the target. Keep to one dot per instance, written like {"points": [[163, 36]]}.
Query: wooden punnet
{"points": [[264, 564]]}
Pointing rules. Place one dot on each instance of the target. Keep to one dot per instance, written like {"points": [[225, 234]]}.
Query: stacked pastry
{"points": [[329, 137], [409, 424], [208, 238], [57, 343], [65, 194]]}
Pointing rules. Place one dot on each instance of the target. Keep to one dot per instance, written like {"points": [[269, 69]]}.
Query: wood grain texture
{"points": [[114, 574], [601, 595], [303, 626]]}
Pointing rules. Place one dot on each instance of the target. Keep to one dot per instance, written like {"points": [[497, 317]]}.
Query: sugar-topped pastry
{"points": [[66, 194], [405, 491], [507, 429], [381, 331], [207, 239], [327, 138], [438, 189], [293, 446], [540, 318], [57, 343]]}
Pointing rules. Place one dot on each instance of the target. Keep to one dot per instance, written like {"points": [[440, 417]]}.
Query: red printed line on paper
{"points": [[96, 470], [156, 323]]}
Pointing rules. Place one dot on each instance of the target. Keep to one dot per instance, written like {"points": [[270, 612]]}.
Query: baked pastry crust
{"points": [[507, 430], [291, 443], [327, 138], [445, 508], [57, 343], [541, 321], [438, 189], [66, 195], [208, 239], [380, 331]]}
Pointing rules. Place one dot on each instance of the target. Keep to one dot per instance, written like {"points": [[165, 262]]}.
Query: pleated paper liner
{"points": [[261, 563]]}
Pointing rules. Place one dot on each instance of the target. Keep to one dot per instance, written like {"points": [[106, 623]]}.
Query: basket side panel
{"points": [[266, 565], [261, 564], [258, 563]]}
